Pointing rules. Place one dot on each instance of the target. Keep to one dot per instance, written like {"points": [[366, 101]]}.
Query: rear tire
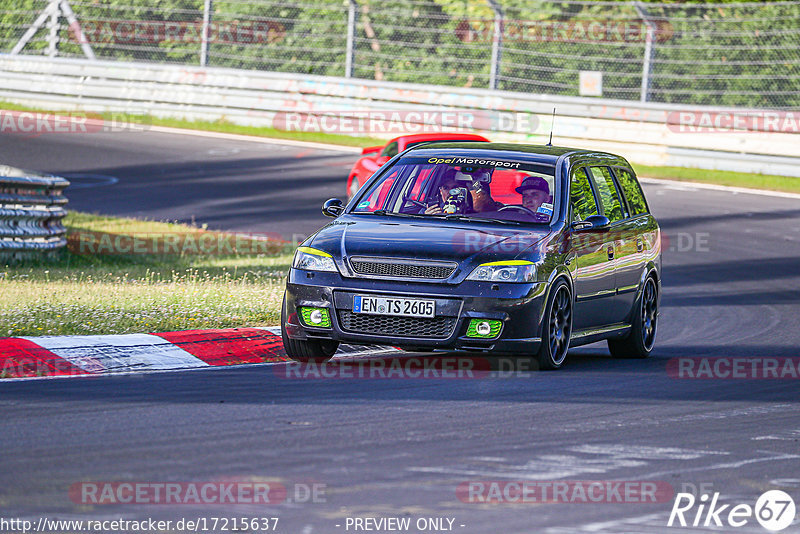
{"points": [[640, 340], [306, 351], [557, 327]]}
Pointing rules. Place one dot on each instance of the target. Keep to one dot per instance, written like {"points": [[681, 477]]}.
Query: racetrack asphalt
{"points": [[401, 447]]}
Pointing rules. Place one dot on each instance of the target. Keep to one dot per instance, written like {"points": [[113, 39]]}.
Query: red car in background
{"points": [[375, 156]]}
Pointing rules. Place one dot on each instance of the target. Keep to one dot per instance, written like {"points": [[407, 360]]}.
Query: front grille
{"points": [[384, 325], [403, 268]]}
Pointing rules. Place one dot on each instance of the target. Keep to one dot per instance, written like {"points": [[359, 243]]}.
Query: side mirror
{"points": [[333, 207], [592, 222]]}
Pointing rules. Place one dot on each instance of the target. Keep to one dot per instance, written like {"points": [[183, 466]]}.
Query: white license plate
{"points": [[394, 306]]}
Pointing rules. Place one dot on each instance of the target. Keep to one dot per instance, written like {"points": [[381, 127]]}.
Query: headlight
{"points": [[504, 271], [311, 259]]}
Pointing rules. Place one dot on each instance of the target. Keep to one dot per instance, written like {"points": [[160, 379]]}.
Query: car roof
{"points": [[541, 153], [411, 138]]}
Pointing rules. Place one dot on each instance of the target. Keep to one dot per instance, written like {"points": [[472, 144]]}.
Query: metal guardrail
{"points": [[642, 132], [32, 208]]}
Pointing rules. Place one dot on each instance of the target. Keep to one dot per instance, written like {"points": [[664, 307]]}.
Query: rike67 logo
{"points": [[774, 510]]}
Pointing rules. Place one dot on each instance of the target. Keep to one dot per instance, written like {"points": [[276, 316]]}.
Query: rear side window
{"points": [[580, 195], [632, 191], [609, 198]]}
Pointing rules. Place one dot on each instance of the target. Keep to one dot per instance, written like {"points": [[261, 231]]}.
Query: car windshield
{"points": [[501, 189]]}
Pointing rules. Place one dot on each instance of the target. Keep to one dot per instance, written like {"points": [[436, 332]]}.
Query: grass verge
{"points": [[151, 292], [786, 184]]}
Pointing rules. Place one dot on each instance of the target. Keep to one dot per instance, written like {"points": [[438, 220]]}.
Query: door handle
{"points": [[610, 252], [639, 245]]}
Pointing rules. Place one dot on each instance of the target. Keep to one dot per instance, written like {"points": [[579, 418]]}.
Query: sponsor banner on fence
{"points": [[133, 32], [584, 30]]}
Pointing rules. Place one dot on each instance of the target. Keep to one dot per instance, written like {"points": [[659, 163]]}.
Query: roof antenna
{"points": [[552, 124]]}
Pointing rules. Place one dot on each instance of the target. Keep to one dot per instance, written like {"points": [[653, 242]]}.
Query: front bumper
{"points": [[518, 306]]}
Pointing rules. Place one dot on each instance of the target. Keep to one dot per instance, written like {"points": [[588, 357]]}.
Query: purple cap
{"points": [[533, 182]]}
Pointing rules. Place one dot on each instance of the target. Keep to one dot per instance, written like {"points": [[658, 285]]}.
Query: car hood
{"points": [[395, 237]]}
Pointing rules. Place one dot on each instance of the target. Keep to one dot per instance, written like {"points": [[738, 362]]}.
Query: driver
{"points": [[536, 197]]}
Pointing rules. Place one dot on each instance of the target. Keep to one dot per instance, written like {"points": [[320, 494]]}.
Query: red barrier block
{"points": [[20, 358], [230, 346]]}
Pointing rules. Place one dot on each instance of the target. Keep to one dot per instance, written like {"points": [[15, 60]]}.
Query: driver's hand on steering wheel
{"points": [[433, 210]]}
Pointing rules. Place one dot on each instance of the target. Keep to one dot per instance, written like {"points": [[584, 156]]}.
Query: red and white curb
{"points": [[50, 356]]}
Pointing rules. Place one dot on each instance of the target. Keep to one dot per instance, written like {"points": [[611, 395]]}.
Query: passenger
{"points": [[482, 200], [448, 182]]}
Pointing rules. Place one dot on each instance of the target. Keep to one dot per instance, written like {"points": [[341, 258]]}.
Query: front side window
{"points": [[607, 191], [390, 150], [632, 191], [581, 196], [468, 187]]}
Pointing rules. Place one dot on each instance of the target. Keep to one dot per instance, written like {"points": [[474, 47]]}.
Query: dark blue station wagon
{"points": [[489, 247]]}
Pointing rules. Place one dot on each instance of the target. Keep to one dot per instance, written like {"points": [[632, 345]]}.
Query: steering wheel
{"points": [[519, 208], [416, 203]]}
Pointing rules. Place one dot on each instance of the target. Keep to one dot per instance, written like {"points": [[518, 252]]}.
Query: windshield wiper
{"points": [[459, 217], [384, 212]]}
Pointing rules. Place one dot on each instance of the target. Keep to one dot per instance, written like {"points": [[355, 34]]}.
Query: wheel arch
{"points": [[650, 269], [561, 272], [564, 273]]}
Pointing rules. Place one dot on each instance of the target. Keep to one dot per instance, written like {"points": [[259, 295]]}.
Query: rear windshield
{"points": [[464, 187]]}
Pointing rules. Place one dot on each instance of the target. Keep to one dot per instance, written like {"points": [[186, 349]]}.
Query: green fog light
{"points": [[484, 328], [318, 317]]}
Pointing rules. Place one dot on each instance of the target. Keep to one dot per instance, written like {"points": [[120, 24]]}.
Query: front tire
{"points": [[557, 327], [639, 342], [306, 351]]}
